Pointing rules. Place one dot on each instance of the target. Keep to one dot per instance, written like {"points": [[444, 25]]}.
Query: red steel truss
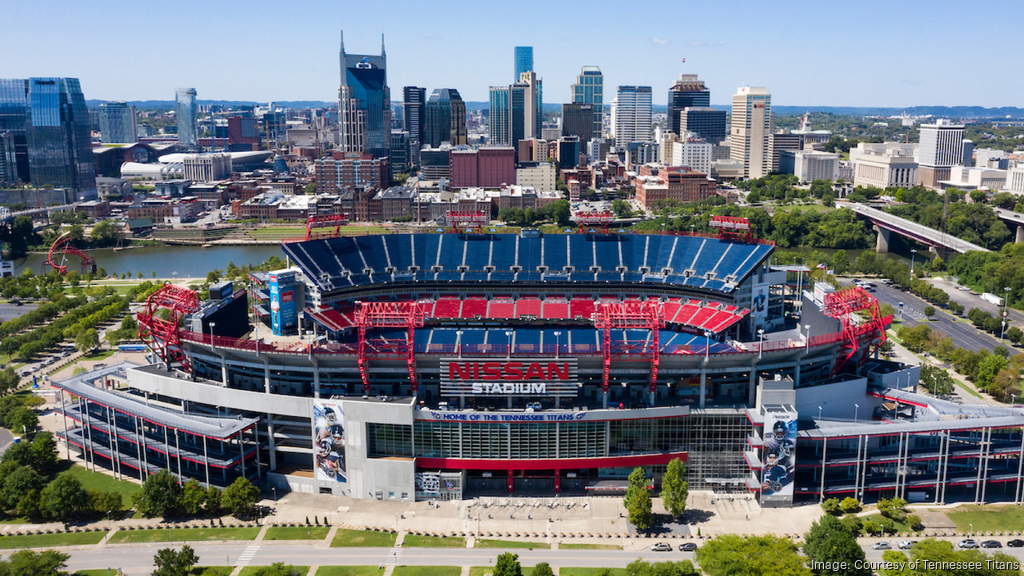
{"points": [[842, 306], [161, 333], [326, 221], [408, 315], [630, 315], [601, 219], [733, 228], [468, 219], [61, 249]]}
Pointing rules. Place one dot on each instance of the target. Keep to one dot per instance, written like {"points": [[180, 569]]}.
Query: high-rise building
{"points": [[784, 141], [578, 120], [632, 115], [942, 147], [243, 132], [706, 121], [589, 89], [445, 118], [8, 164], [364, 103], [400, 152], [414, 108], [523, 60], [515, 112], [687, 92], [50, 129], [750, 135], [117, 123], [484, 167], [188, 136]]}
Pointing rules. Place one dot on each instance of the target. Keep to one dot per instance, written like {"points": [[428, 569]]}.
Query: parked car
{"points": [[906, 544], [883, 545], [688, 547], [991, 544], [662, 547], [968, 543], [1016, 543]]}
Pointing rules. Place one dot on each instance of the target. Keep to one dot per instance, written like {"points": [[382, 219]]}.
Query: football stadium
{"points": [[453, 365]]}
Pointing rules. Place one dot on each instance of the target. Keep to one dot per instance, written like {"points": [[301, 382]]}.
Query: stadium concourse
{"points": [[449, 366]]}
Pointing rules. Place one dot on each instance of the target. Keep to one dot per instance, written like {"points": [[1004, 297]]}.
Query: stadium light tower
{"points": [[509, 334], [558, 335]]}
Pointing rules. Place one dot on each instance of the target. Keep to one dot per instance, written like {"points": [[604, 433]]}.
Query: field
{"points": [[50, 540], [185, 535], [296, 533], [510, 544], [251, 570], [355, 538], [349, 571], [988, 518], [433, 542], [96, 481], [427, 571]]}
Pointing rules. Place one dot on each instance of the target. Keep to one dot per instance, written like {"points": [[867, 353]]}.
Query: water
{"points": [[167, 261]]}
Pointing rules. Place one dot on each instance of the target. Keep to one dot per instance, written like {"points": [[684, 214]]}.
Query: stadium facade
{"points": [[444, 366]]}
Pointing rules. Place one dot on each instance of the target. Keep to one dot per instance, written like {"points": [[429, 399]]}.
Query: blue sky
{"points": [[866, 53]]}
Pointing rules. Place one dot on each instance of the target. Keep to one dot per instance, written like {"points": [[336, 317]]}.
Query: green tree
{"points": [[18, 483], [936, 380], [674, 487], [542, 569], [769, 555], [914, 521], [987, 370], [64, 498], [1014, 334], [830, 505], [87, 340], [44, 453], [160, 495], [929, 311], [850, 505], [278, 569], [22, 419], [241, 497], [193, 496], [27, 562], [9, 380], [829, 540], [638, 500], [508, 565], [105, 233], [213, 504], [171, 562], [104, 502], [841, 262]]}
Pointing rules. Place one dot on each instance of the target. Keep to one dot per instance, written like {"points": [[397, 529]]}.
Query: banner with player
{"points": [[779, 455], [329, 440]]}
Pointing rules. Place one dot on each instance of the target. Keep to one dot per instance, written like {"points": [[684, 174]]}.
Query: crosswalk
{"points": [[247, 556]]}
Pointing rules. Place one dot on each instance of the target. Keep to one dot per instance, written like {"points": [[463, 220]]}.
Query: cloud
{"points": [[657, 40], [710, 44]]}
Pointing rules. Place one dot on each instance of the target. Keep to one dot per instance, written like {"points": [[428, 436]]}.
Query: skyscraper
{"points": [[8, 162], [687, 92], [446, 118], [750, 135], [515, 112], [117, 123], [632, 115], [942, 147], [414, 99], [364, 103], [48, 123], [523, 60], [578, 120], [589, 89], [186, 114], [706, 121]]}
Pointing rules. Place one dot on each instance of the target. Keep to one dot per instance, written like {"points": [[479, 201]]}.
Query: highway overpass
{"points": [[886, 223]]}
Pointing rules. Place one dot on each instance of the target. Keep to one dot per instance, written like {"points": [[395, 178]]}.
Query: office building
{"points": [[780, 141], [515, 111], [484, 167], [691, 151], [809, 165], [414, 110], [348, 170], [445, 118], [49, 126], [401, 152], [655, 183], [750, 135], [884, 165], [708, 122], [187, 116], [1015, 180], [243, 133], [632, 113], [207, 167], [589, 89], [523, 61], [435, 163], [117, 123], [578, 121], [687, 92], [537, 175], [942, 147], [568, 152], [8, 162], [364, 103]]}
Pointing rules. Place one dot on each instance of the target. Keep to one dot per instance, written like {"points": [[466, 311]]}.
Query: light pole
{"points": [[760, 345], [662, 228], [972, 530], [913, 253], [1006, 300], [819, 412], [707, 345], [458, 342], [1013, 400], [558, 341], [212, 324], [509, 334], [807, 340], [856, 411], [691, 229]]}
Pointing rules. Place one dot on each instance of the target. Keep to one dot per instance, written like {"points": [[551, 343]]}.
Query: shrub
{"points": [[850, 505]]}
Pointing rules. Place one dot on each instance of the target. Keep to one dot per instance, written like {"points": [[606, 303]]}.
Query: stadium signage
{"points": [[508, 377], [508, 417]]}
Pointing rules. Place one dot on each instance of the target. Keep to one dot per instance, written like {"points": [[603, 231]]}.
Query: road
{"points": [[138, 559], [11, 311]]}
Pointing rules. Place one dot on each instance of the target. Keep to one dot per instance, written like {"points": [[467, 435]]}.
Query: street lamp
{"points": [[807, 339], [509, 334], [662, 228], [760, 345], [558, 341], [856, 411], [819, 412], [691, 229], [913, 253], [1013, 400], [707, 345], [1006, 300], [972, 530], [458, 342], [212, 324]]}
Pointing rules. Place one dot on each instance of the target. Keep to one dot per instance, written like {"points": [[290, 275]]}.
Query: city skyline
{"points": [[902, 64]]}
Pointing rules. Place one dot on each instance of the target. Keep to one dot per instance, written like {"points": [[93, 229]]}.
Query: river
{"points": [[167, 261]]}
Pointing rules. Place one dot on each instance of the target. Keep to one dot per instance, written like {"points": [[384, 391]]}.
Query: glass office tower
{"points": [[523, 60], [186, 113], [589, 89], [364, 103]]}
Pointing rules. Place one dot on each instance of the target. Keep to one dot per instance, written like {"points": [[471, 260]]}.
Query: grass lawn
{"points": [[349, 571], [967, 389], [277, 231], [509, 544], [97, 481], [296, 533], [433, 541], [211, 571], [185, 535], [353, 538], [97, 356], [589, 571], [250, 570], [50, 540], [900, 526], [804, 208], [987, 518], [428, 571], [567, 546]]}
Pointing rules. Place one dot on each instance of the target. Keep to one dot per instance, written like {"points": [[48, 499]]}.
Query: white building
{"points": [[809, 165], [884, 165], [692, 151], [1015, 180], [974, 178], [207, 167], [991, 158], [540, 177], [942, 147], [750, 133], [632, 113]]}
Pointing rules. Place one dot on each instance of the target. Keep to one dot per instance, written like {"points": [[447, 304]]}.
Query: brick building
{"points": [[350, 170], [677, 183], [485, 167]]}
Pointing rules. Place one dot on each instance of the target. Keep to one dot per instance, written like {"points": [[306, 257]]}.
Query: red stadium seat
{"points": [[473, 307], [555, 308], [447, 308], [581, 308], [501, 309], [528, 307]]}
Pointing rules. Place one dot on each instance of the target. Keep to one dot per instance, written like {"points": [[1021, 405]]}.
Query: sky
{"points": [[891, 53]]}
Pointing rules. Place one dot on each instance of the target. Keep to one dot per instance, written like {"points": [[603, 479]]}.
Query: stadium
{"points": [[468, 363]]}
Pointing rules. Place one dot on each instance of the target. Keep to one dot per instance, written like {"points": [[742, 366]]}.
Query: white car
{"points": [[883, 545], [906, 544], [969, 543]]}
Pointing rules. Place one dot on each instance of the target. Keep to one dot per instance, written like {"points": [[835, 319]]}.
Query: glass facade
{"points": [[389, 440], [117, 123], [523, 60], [589, 89], [186, 114], [365, 103], [49, 126], [445, 118]]}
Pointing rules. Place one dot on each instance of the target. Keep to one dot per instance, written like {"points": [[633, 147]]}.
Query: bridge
{"points": [[1012, 219], [6, 214], [886, 223]]}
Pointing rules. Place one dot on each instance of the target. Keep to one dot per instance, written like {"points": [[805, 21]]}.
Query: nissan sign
{"points": [[508, 377]]}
